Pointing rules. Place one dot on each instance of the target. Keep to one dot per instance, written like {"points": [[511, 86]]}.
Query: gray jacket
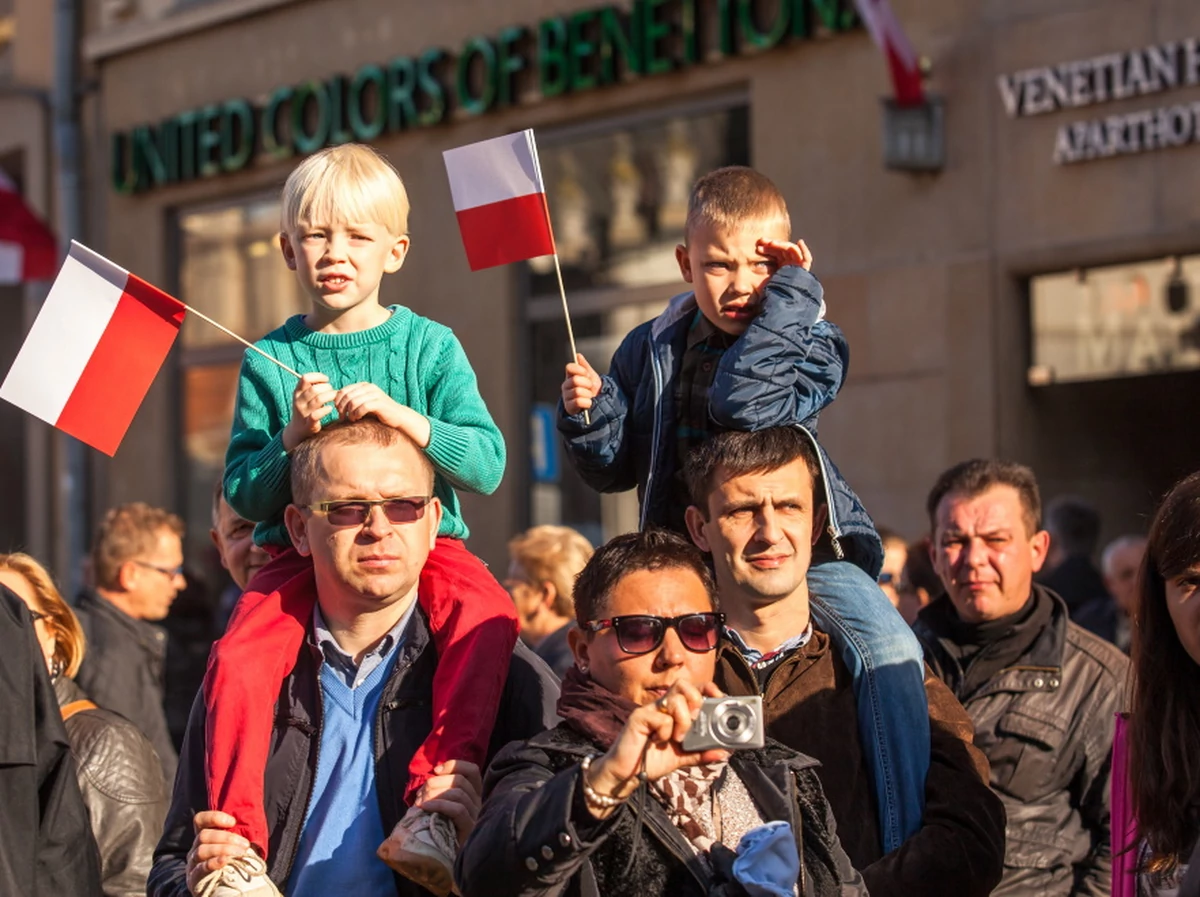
{"points": [[123, 789], [1046, 726]]}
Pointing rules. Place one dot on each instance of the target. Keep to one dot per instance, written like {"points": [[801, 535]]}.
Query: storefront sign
{"points": [[562, 54], [1102, 79]]}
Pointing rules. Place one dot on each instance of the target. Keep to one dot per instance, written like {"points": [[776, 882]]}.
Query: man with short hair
{"points": [[895, 553], [233, 537], [1041, 690], [1069, 572], [137, 569], [356, 707], [1121, 564], [758, 508]]}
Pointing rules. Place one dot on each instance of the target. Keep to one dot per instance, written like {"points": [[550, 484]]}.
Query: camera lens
{"points": [[733, 723]]}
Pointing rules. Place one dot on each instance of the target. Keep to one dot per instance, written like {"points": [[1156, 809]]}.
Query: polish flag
{"points": [[28, 249], [500, 200], [91, 355], [889, 36]]}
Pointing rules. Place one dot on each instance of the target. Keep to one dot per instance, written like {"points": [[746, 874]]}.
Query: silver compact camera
{"points": [[730, 724]]}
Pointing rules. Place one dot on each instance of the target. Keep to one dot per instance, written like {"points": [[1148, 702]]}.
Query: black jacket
{"points": [[1046, 725], [123, 671], [403, 722], [46, 845], [536, 836], [123, 790]]}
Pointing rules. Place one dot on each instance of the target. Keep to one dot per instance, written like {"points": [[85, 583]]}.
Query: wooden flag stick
{"points": [[587, 418], [248, 344]]}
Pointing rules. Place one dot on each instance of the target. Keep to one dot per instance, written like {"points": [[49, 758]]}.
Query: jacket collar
{"points": [[680, 308], [149, 635]]}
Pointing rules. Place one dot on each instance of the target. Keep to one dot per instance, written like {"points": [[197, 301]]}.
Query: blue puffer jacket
{"points": [[786, 367]]}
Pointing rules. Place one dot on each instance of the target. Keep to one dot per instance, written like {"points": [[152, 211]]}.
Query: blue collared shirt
{"points": [[354, 674]]}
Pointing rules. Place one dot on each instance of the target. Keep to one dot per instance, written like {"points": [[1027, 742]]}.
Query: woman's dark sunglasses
{"points": [[356, 512], [643, 633]]}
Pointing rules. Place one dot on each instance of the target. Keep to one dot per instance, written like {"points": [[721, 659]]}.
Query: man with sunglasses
{"points": [[137, 570], [355, 707], [760, 510]]}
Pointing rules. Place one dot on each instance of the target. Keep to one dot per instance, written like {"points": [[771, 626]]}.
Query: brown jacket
{"points": [[810, 707]]}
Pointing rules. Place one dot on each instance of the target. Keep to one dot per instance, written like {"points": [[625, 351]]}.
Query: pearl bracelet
{"points": [[589, 794]]}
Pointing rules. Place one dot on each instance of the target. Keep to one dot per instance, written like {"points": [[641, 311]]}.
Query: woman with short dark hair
{"points": [[1164, 724], [608, 802]]}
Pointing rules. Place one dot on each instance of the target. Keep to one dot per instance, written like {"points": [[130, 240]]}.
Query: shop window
{"points": [[618, 201], [230, 269], [1116, 321]]}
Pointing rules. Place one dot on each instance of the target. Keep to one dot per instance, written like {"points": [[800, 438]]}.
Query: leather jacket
{"points": [[1046, 725], [123, 790]]}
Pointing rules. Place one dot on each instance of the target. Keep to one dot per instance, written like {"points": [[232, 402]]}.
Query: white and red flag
{"points": [[500, 200], [28, 249], [889, 36], [95, 348]]}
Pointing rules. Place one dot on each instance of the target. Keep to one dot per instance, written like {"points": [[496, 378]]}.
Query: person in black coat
{"points": [[46, 844], [608, 802]]}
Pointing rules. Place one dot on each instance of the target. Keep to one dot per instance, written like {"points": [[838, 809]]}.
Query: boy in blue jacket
{"points": [[748, 348]]}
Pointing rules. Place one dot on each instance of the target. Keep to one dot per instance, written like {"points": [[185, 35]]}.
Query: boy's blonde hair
{"points": [[734, 196], [346, 184]]}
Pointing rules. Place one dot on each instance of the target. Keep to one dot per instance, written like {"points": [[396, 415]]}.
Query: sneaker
{"points": [[422, 848], [244, 876]]}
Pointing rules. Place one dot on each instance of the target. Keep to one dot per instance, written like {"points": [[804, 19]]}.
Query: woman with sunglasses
{"points": [[119, 773], [1164, 724], [608, 802]]}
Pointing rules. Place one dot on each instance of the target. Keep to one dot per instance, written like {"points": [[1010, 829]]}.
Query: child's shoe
{"points": [[422, 848], [244, 876]]}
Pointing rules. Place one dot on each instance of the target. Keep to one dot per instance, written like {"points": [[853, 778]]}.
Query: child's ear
{"points": [[289, 254], [685, 263], [398, 254]]}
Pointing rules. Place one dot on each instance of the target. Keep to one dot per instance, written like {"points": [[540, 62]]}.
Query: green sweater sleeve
{"points": [[257, 469], [465, 445]]}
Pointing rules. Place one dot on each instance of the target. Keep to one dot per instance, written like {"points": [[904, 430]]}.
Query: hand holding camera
{"points": [[657, 735]]}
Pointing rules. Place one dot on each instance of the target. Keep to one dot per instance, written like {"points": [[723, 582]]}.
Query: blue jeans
{"points": [[886, 662]]}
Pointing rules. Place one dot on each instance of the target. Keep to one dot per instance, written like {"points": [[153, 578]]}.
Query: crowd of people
{"points": [[383, 716]]}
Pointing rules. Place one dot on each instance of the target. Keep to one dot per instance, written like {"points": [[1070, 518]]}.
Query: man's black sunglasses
{"points": [[643, 633]]}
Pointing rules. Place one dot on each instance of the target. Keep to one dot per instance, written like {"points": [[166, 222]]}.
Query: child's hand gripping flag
{"points": [[500, 200], [91, 355]]}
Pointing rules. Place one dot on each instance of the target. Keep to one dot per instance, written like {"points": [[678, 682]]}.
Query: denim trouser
{"points": [[886, 662]]}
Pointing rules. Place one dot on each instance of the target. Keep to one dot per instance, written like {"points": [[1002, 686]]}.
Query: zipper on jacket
{"points": [[316, 765], [834, 531], [654, 435], [797, 827]]}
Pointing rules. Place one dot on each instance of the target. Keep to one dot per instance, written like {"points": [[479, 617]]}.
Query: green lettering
{"points": [[471, 102], [619, 36], [275, 146], [208, 140], [367, 126], [339, 131], [304, 141], [237, 135], [688, 24], [552, 56], [725, 25], [428, 81], [763, 40], [836, 15], [124, 177], [511, 61], [401, 109], [799, 18], [148, 155], [580, 50], [187, 144], [654, 30]]}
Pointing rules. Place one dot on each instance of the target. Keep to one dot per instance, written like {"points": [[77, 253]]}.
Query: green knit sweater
{"points": [[416, 361]]}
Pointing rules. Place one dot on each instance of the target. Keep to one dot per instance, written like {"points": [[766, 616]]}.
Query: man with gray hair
{"points": [[1121, 563]]}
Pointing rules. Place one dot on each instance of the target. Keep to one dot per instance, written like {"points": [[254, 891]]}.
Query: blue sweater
{"points": [[343, 828]]}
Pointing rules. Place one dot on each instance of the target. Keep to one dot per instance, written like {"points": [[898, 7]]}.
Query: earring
{"points": [[583, 668], [56, 668]]}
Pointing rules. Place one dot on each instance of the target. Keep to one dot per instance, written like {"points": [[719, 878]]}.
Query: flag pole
{"points": [[250, 345], [587, 418]]}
